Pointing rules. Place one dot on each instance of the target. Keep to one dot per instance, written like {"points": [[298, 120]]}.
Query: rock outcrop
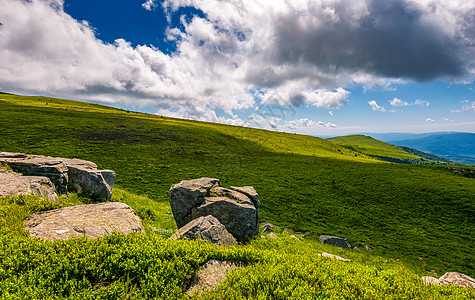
{"points": [[334, 241], [66, 174], [14, 184], [207, 228], [451, 278], [187, 195], [91, 221], [236, 208]]}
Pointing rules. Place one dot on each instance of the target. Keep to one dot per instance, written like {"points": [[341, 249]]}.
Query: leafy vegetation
{"points": [[422, 216]]}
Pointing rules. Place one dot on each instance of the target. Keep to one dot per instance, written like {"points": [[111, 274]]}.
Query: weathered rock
{"points": [[188, 194], [294, 237], [79, 175], [89, 182], [14, 184], [368, 248], [91, 221], [38, 165], [217, 191], [211, 274], [272, 236], [248, 191], [430, 280], [268, 227], [324, 254], [334, 241], [207, 228], [240, 219], [195, 198], [455, 278]]}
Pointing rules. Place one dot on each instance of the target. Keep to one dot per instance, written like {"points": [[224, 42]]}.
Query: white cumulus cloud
{"points": [[421, 102], [309, 52], [375, 106], [398, 102]]}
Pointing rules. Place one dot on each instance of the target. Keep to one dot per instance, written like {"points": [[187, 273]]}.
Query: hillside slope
{"points": [[305, 183], [386, 151]]}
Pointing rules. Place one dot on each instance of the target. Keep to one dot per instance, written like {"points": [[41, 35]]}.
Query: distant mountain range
{"points": [[400, 136], [458, 147]]}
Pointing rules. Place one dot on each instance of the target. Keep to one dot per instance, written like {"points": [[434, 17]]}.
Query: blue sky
{"points": [[327, 67]]}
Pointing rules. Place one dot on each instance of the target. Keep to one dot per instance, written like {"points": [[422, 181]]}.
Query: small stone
{"points": [[335, 241], [324, 254], [272, 236]]}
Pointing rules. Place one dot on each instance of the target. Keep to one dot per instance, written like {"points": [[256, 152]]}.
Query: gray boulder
{"points": [[188, 194], [38, 165], [78, 175], [14, 184], [91, 221], [89, 183], [248, 191], [240, 219], [206, 228], [191, 199], [334, 241]]}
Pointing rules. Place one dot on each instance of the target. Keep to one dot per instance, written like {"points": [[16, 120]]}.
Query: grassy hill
{"points": [[423, 216], [385, 151]]}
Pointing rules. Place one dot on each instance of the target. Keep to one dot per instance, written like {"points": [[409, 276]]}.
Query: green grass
{"points": [[385, 151], [152, 267], [404, 212]]}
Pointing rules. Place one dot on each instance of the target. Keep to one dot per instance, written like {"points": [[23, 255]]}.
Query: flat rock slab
{"points": [[211, 274], [13, 184], [90, 220]]}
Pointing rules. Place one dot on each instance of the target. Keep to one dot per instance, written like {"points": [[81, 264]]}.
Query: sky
{"points": [[318, 67]]}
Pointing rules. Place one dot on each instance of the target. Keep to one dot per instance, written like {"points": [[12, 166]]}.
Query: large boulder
{"points": [[334, 241], [77, 175], [91, 221], [38, 165], [14, 184], [240, 219], [188, 194], [206, 228], [236, 208]]}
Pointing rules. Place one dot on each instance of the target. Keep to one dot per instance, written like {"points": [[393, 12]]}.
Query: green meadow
{"points": [[419, 219]]}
